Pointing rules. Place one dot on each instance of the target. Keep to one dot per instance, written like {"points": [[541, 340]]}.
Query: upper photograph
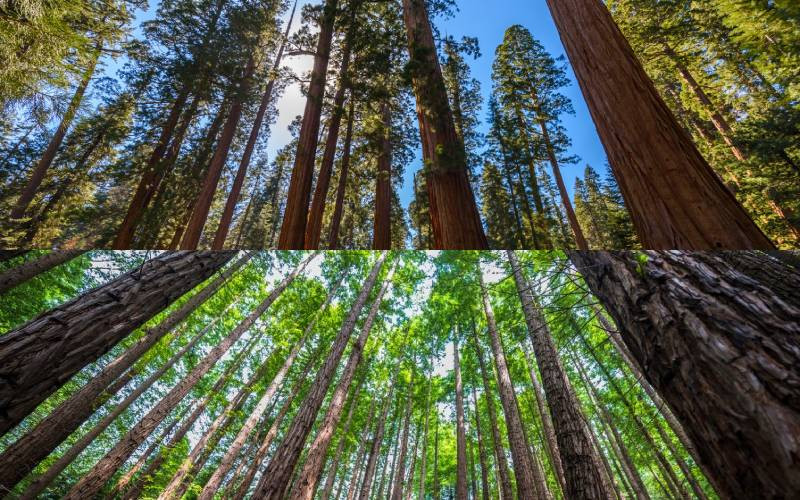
{"points": [[438, 124]]}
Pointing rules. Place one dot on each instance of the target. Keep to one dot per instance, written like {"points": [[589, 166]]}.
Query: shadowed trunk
{"points": [[333, 239], [382, 236], [461, 437]]}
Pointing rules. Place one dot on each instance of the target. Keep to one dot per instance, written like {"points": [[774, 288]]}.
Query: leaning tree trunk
{"points": [[279, 471], [255, 130], [461, 437], [725, 362], [293, 230], [40, 170], [675, 198], [581, 474], [523, 468], [91, 483], [336, 219], [41, 355], [337, 456], [454, 213], [18, 275], [382, 233]]}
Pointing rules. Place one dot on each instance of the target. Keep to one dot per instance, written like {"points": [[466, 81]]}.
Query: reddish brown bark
{"points": [[453, 211], [461, 436], [334, 468], [675, 198], [18, 275], [377, 440], [482, 456], [358, 471], [293, 230], [279, 471], [94, 480], [41, 355], [382, 235], [398, 476], [336, 219]]}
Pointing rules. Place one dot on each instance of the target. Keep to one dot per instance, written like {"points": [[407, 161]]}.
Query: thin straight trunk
{"points": [[20, 274], [523, 468], [64, 460], [377, 440], [358, 477], [382, 236], [314, 228], [734, 315], [93, 481], [396, 485], [535, 189], [315, 458], [40, 170], [409, 489], [601, 459], [472, 471], [395, 449], [675, 198], [582, 477], [423, 469], [194, 228], [436, 484], [484, 459], [538, 471], [255, 130], [293, 230], [43, 439], [328, 488], [41, 355], [285, 458], [233, 448], [333, 238], [497, 440], [461, 437], [454, 214]]}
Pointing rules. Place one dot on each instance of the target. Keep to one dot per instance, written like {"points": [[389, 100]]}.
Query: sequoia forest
{"points": [[168, 125], [399, 374]]}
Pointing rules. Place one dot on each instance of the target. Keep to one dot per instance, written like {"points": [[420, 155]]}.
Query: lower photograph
{"points": [[399, 375]]}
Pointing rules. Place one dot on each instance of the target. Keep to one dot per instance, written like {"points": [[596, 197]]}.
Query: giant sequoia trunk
{"points": [[454, 213], [581, 475], [40, 441], [41, 355], [675, 198], [461, 437], [279, 471], [293, 230], [720, 347], [40, 170], [18, 275], [382, 232], [336, 219], [91, 483]]}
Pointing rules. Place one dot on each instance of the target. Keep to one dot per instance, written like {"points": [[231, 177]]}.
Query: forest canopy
{"points": [[127, 125], [399, 374]]}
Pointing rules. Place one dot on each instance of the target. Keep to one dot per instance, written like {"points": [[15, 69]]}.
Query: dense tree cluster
{"points": [[399, 374]]}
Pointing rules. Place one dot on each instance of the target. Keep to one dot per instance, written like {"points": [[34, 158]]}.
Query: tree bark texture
{"points": [[482, 456], [396, 481], [675, 198], [377, 441], [28, 270], [382, 232], [336, 219], [461, 436], [719, 347]]}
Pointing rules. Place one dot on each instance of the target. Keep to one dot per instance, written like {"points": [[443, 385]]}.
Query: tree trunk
{"points": [[334, 468], [423, 468], [675, 198], [377, 440], [409, 481], [382, 236], [281, 466], [233, 448], [44, 163], [499, 453], [41, 355], [255, 130], [333, 239], [358, 477], [454, 213], [36, 444], [197, 221], [396, 484], [730, 327], [523, 468], [461, 437], [315, 457], [91, 483], [18, 275], [581, 474], [395, 433], [482, 456], [293, 230], [436, 484]]}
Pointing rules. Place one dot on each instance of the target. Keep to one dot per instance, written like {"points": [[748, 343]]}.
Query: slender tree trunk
{"points": [[285, 458], [523, 468], [382, 237], [497, 441], [41, 355], [359, 478], [20, 274], [482, 456], [44, 163], [423, 469], [233, 448], [337, 456], [377, 440], [675, 198], [719, 315], [582, 477], [293, 230], [396, 484], [333, 239], [436, 484], [255, 130], [461, 437], [409, 482], [396, 433], [91, 483], [473, 474], [454, 213]]}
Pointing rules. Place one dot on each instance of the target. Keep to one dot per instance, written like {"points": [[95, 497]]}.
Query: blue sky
{"points": [[486, 21]]}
